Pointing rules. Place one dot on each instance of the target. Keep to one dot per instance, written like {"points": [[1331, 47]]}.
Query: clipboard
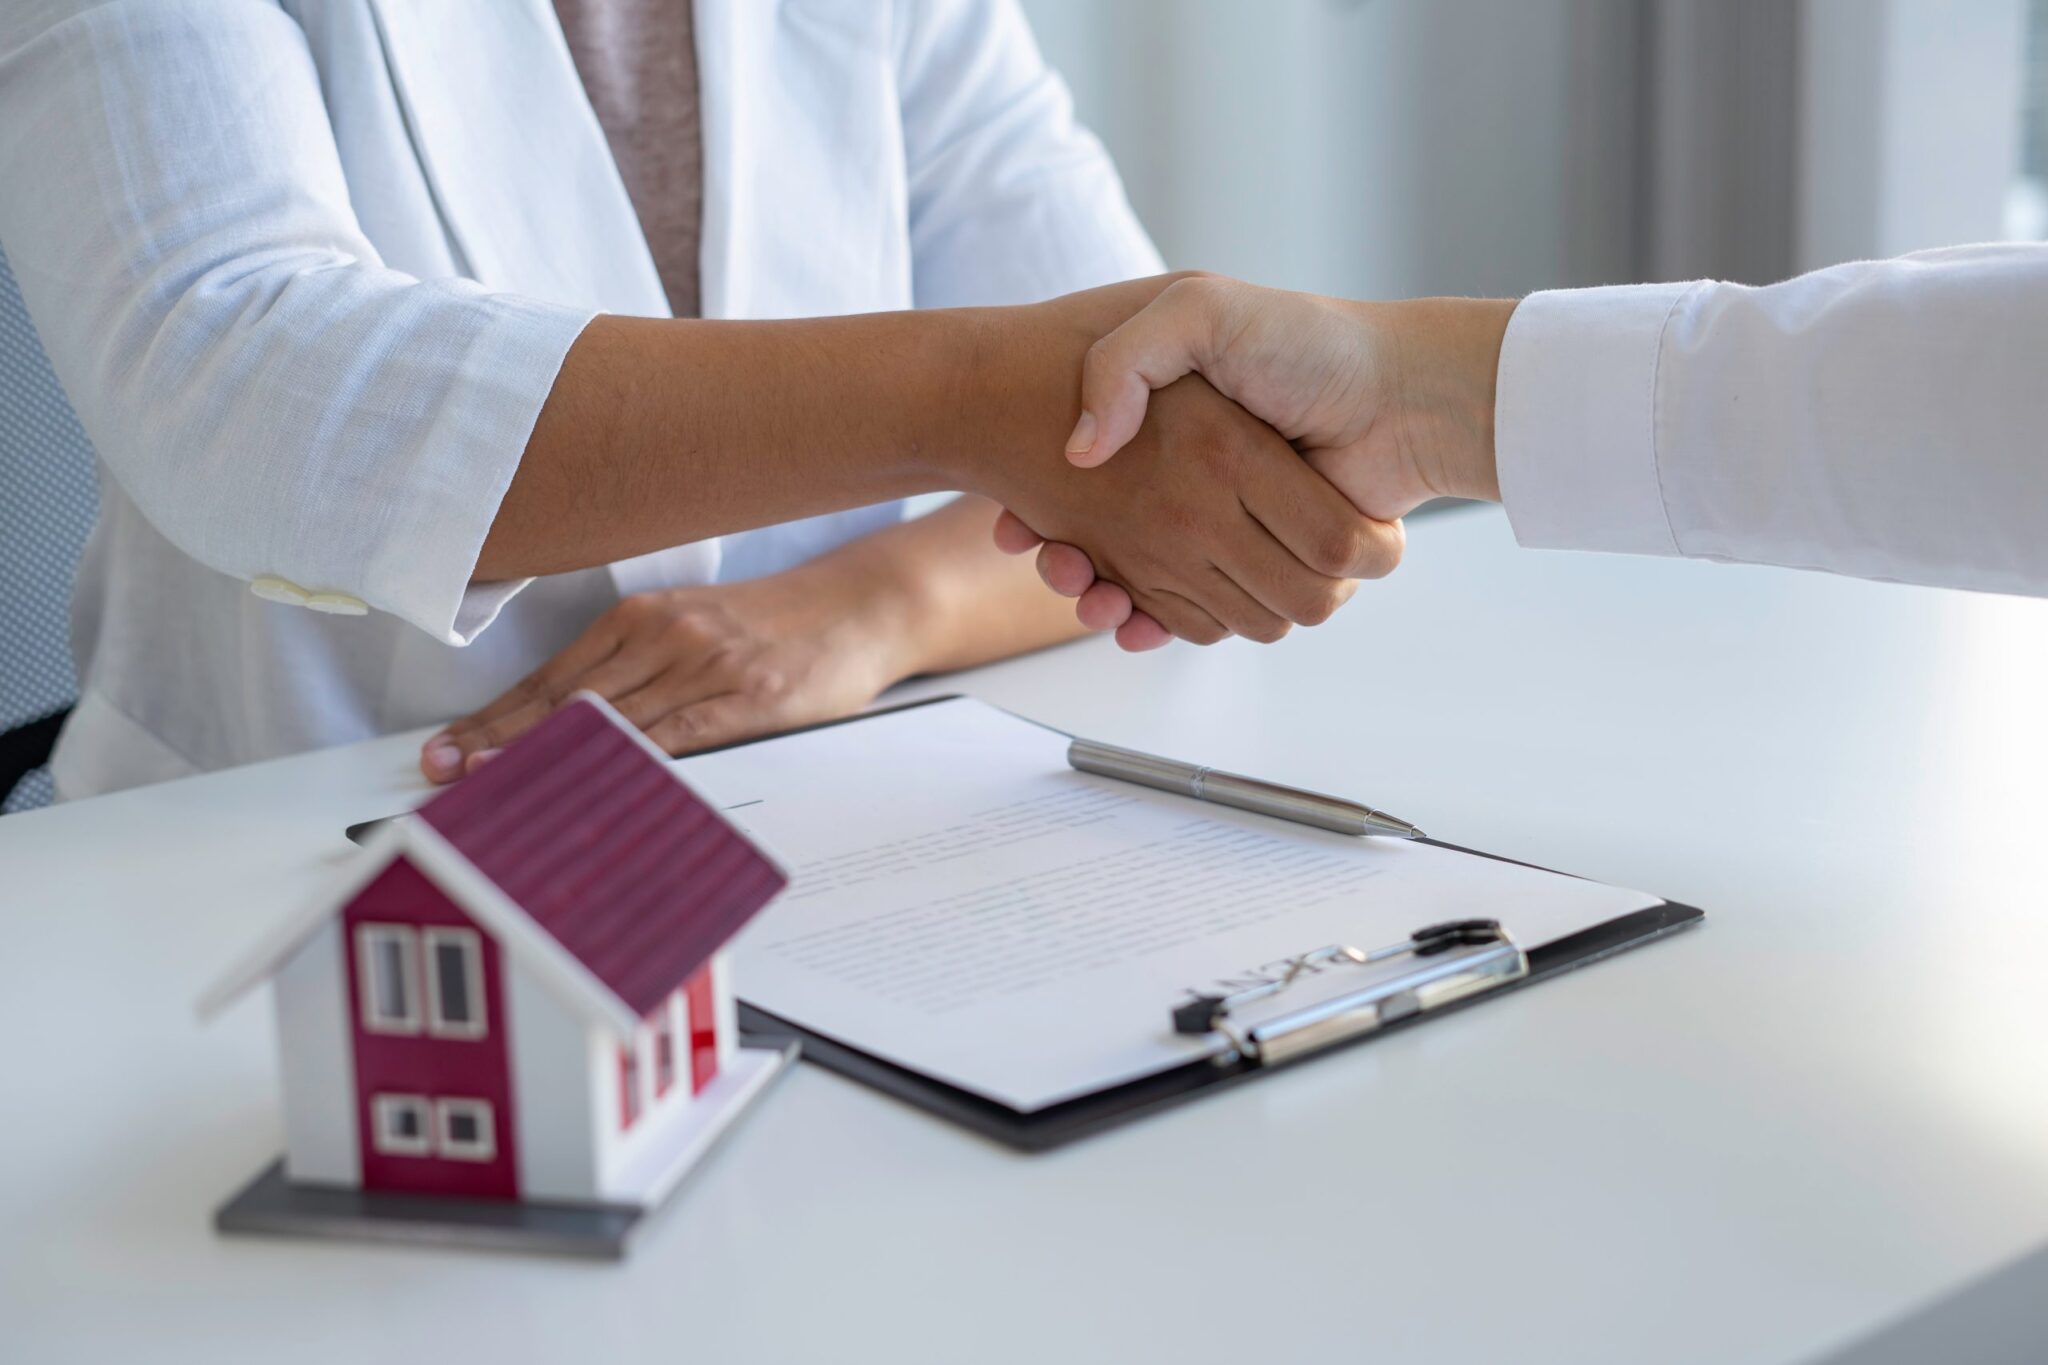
{"points": [[1440, 969], [1487, 952]]}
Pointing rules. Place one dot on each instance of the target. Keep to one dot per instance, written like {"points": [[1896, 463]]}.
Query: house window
{"points": [[703, 996], [388, 977], [455, 983], [398, 1125], [464, 1130], [663, 1026], [629, 1085]]}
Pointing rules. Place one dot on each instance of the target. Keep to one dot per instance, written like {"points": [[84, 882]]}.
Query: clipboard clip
{"points": [[1452, 960]]}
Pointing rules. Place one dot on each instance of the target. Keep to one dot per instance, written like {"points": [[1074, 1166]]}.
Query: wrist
{"points": [[1446, 356], [1015, 390], [870, 600]]}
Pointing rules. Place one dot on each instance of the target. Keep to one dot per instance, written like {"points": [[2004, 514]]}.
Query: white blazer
{"points": [[307, 270]]}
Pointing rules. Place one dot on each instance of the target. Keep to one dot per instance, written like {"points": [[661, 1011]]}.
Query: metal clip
{"points": [[1456, 959]]}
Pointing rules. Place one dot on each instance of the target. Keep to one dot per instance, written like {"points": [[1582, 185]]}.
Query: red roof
{"points": [[593, 837]]}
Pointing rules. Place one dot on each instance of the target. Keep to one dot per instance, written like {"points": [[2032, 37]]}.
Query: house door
{"points": [[433, 1081]]}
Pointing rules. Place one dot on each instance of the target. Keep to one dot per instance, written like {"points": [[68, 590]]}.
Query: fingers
{"points": [[1181, 616], [1065, 569], [1280, 582], [711, 721], [444, 757], [1105, 606], [1240, 613], [1012, 536], [491, 729], [1319, 526], [1141, 633], [1168, 338]]}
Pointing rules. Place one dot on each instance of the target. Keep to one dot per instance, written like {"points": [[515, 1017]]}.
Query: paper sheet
{"points": [[966, 905]]}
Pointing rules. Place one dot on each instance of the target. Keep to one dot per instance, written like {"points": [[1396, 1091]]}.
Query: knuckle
{"points": [[1098, 355], [1270, 630], [1195, 290], [1317, 608], [724, 661], [678, 731], [1383, 555], [636, 609], [686, 630], [1341, 549], [542, 690]]}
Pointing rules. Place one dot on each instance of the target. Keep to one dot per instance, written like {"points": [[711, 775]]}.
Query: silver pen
{"points": [[1229, 789]]}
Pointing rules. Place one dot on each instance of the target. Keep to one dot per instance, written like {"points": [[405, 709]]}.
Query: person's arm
{"points": [[701, 666], [1885, 419], [279, 402], [1882, 419], [663, 432]]}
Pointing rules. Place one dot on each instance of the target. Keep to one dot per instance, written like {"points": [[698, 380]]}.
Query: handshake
{"points": [[1243, 456]]}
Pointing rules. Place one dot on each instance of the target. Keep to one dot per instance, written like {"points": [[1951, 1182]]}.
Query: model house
{"points": [[518, 992]]}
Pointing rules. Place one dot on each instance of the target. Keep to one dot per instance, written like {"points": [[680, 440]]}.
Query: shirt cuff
{"points": [[1575, 419], [457, 477]]}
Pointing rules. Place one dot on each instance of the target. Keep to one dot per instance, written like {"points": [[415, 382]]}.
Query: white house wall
{"points": [[556, 1134], [315, 1062]]}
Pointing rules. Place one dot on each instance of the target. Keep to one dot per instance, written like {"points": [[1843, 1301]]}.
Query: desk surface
{"points": [[1749, 1143]]}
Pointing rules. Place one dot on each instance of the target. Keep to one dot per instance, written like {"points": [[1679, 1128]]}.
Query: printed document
{"points": [[966, 905]]}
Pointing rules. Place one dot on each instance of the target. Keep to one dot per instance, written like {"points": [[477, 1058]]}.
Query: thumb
{"points": [[1155, 346]]}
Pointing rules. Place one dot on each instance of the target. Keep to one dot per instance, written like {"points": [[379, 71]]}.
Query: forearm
{"points": [[661, 432], [943, 595]]}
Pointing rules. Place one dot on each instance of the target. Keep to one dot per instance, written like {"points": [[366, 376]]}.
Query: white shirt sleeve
{"points": [[1011, 200], [1887, 419], [279, 404]]}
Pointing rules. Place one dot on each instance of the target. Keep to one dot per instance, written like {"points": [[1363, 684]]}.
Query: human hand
{"points": [[701, 666], [1392, 402], [1209, 519]]}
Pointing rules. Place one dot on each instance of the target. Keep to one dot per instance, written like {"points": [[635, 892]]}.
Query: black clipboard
{"points": [[1059, 1124], [1069, 1121], [1084, 1116]]}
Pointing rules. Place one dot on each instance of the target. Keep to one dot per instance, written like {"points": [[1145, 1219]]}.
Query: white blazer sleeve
{"points": [[274, 399], [1011, 200], [1887, 419]]}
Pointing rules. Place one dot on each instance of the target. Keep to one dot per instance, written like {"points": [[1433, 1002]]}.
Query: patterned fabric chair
{"points": [[48, 499]]}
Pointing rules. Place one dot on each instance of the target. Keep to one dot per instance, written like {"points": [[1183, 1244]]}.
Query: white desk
{"points": [[1749, 1143]]}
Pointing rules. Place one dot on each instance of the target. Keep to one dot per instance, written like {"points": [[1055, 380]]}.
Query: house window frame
{"points": [[662, 1034], [368, 937], [485, 1148], [471, 944], [632, 1100], [382, 1140]]}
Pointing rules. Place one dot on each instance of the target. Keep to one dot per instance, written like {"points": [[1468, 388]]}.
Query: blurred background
{"points": [[1383, 148]]}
